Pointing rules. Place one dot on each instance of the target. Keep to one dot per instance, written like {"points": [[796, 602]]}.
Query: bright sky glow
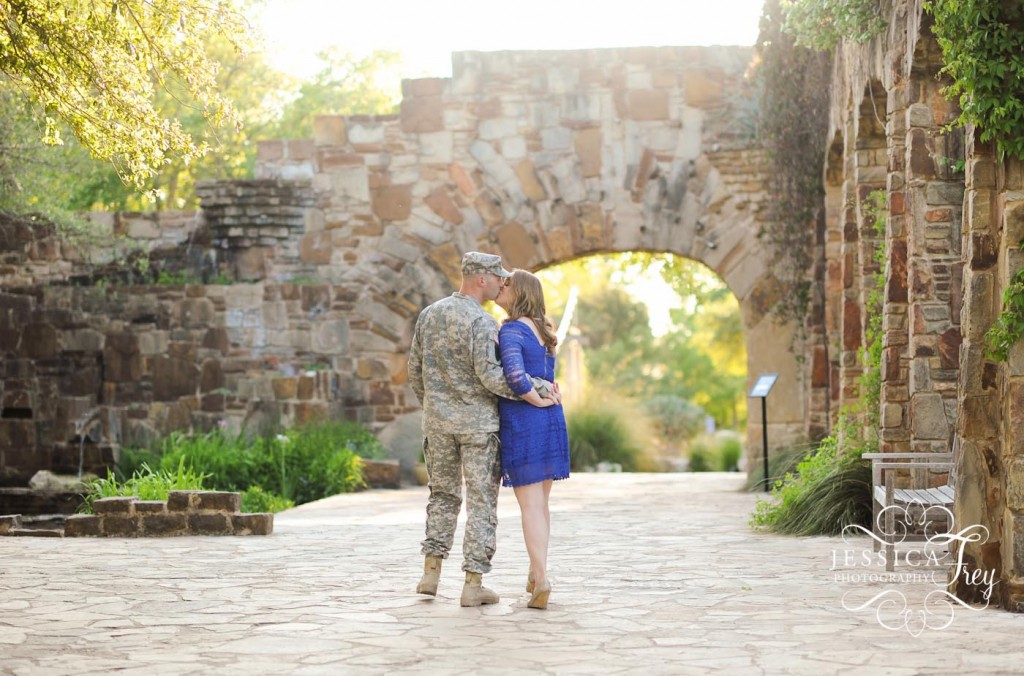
{"points": [[426, 32]]}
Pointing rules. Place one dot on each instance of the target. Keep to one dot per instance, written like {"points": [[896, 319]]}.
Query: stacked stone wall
{"points": [[953, 247]]}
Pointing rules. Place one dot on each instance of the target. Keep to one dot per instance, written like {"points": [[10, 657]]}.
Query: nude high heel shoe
{"points": [[539, 600], [530, 582]]}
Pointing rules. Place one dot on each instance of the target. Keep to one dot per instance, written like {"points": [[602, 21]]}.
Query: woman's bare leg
{"points": [[536, 529]]}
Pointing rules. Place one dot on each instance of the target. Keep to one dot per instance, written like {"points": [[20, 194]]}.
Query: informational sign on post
{"points": [[761, 388]]}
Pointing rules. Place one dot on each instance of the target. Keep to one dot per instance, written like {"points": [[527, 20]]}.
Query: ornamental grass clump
{"points": [[828, 491]]}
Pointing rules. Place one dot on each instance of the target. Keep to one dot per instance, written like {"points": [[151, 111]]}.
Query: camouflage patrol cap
{"points": [[476, 263]]}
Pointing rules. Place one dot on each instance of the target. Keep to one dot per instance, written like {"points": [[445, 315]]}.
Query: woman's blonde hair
{"points": [[528, 301]]}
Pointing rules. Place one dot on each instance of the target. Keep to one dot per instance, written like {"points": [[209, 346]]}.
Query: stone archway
{"points": [[539, 156]]}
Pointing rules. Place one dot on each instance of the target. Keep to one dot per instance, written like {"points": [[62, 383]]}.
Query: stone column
{"points": [[894, 433], [934, 207], [990, 469], [851, 333]]}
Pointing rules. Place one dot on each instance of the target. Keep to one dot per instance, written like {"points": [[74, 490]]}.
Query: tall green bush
{"points": [[600, 434]]}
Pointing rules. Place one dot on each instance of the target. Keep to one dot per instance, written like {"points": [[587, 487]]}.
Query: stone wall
{"points": [[88, 370], [951, 254]]}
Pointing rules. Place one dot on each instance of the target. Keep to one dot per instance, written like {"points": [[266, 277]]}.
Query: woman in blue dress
{"points": [[534, 441]]}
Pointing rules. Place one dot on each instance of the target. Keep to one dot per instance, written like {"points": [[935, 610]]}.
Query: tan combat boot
{"points": [[474, 593], [431, 575]]}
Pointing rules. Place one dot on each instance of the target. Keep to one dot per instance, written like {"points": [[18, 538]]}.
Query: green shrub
{"points": [[255, 499], [230, 463], [144, 484], [729, 455], [598, 434], [719, 452], [700, 458]]}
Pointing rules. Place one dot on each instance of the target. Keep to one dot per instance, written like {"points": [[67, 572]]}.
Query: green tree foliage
{"points": [[345, 85], [823, 24], [95, 66], [701, 360]]}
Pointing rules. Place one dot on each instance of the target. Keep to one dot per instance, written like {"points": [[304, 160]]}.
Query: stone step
{"points": [[36, 532]]}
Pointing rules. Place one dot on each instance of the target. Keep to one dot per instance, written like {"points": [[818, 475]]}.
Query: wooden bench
{"points": [[926, 506]]}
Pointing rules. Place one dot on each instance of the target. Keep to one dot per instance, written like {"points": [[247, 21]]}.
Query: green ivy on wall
{"points": [[1008, 328], [983, 46], [793, 125]]}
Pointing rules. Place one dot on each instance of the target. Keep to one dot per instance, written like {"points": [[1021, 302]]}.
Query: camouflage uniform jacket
{"points": [[454, 367]]}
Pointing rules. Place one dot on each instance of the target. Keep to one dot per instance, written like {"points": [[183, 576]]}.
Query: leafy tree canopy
{"points": [[97, 65]]}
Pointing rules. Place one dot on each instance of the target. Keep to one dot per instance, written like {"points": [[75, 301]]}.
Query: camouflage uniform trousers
{"points": [[448, 458]]}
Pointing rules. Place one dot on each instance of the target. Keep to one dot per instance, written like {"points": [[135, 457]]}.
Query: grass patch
{"points": [[144, 483]]}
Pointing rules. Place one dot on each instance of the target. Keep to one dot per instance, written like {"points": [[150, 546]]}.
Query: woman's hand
{"points": [[532, 397]]}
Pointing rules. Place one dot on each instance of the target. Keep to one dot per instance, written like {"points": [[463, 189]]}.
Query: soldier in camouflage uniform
{"points": [[456, 374]]}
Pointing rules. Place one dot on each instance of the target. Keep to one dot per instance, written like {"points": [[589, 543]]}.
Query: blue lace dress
{"points": [[534, 441]]}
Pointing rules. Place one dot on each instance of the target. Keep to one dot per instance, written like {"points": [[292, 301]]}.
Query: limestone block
{"points": [[252, 524], [381, 473], [150, 507], [78, 525], [328, 130], [353, 183], [224, 501], [173, 378], [123, 506], [82, 340], [330, 336], [436, 147], [556, 138], [466, 183], [250, 264], [528, 181], [316, 248], [1014, 219], [275, 315], [180, 501], [40, 340], [892, 416], [513, 148], [119, 525], [211, 377], [441, 203], [516, 244], [196, 313], [210, 523], [392, 203], [422, 115], [587, 144], [570, 186], [701, 89], [297, 171], [944, 192], [492, 163], [164, 524], [647, 104], [216, 339]]}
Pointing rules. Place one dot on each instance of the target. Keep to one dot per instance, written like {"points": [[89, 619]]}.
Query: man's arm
{"points": [[416, 363], [488, 366]]}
